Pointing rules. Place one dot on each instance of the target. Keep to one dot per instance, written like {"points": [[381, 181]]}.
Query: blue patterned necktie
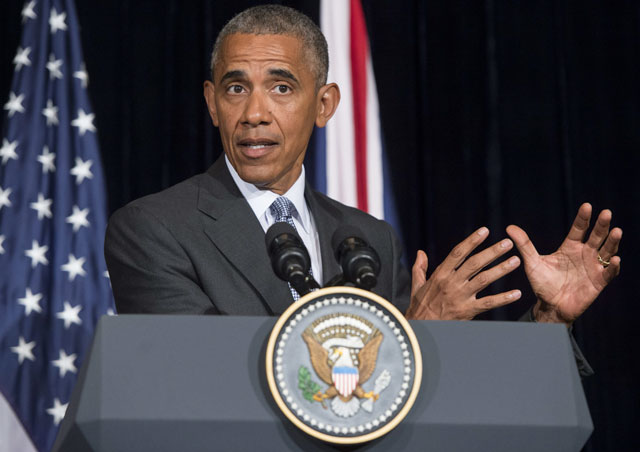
{"points": [[282, 209]]}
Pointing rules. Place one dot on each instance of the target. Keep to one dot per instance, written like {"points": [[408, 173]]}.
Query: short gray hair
{"points": [[279, 20]]}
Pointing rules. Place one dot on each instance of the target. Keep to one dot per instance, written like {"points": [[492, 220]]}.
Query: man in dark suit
{"points": [[198, 247]]}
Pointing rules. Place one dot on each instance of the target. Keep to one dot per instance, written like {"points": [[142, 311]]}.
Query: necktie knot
{"points": [[282, 209]]}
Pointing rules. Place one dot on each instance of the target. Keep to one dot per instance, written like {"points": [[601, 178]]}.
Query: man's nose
{"points": [[257, 110]]}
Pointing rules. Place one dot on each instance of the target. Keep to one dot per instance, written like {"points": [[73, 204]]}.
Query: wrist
{"points": [[544, 313], [418, 312]]}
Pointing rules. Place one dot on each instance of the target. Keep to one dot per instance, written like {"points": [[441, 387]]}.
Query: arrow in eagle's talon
{"points": [[372, 394]]}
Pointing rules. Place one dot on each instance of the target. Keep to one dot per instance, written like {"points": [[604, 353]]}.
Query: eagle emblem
{"points": [[343, 365], [343, 349]]}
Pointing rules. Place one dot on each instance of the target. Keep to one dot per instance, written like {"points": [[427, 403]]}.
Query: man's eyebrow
{"points": [[236, 74], [283, 73]]}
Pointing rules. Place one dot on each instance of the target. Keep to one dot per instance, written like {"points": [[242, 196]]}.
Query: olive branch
{"points": [[308, 387]]}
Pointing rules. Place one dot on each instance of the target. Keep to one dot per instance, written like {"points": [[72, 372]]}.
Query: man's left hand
{"points": [[567, 281]]}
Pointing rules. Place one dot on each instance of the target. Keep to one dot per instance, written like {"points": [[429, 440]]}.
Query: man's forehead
{"points": [[261, 47], [276, 55]]}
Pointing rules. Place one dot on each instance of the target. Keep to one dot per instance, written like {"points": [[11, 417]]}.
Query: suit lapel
{"points": [[236, 232], [327, 219]]}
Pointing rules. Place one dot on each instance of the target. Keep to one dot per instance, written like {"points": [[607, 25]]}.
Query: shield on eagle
{"points": [[345, 379]]}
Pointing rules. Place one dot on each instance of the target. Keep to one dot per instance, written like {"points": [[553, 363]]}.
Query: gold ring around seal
{"points": [[604, 263]]}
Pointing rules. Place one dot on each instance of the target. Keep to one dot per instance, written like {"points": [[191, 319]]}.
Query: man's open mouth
{"points": [[257, 144], [256, 147]]}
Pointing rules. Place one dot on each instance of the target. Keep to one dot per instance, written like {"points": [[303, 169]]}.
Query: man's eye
{"points": [[283, 89], [235, 89]]}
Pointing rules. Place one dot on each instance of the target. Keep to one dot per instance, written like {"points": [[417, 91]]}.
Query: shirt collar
{"points": [[260, 200]]}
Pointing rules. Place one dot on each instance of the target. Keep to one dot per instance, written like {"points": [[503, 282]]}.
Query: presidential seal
{"points": [[343, 365]]}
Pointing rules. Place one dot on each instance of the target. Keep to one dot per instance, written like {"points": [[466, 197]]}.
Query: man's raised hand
{"points": [[451, 291], [567, 281]]}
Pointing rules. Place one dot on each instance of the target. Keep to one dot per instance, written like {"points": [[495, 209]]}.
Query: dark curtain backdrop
{"points": [[494, 112]]}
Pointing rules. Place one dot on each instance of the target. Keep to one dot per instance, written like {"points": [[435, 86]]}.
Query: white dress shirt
{"points": [[260, 201]]}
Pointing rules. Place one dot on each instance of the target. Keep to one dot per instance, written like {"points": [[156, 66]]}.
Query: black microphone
{"points": [[360, 263], [289, 258]]}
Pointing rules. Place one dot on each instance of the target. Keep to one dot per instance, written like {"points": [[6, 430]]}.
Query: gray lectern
{"points": [[197, 383]]}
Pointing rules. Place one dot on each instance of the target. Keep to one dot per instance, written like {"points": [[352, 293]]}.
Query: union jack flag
{"points": [[53, 280], [349, 158]]}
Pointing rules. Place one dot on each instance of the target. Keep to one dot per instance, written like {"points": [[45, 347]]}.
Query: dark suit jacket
{"points": [[197, 248]]}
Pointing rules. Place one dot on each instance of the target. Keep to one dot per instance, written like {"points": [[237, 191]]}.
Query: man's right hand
{"points": [[451, 291]]}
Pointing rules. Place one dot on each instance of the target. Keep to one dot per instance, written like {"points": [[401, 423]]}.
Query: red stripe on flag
{"points": [[359, 47]]}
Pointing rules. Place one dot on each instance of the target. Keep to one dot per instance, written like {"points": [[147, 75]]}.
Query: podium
{"points": [[197, 383]]}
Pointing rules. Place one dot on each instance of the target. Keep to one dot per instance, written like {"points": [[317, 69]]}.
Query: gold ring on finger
{"points": [[604, 263]]}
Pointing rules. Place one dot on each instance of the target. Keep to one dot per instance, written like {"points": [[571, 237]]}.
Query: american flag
{"points": [[53, 280]]}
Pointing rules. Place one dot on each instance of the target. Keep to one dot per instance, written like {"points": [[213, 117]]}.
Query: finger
{"points": [[524, 244], [486, 277], [610, 247], [612, 270], [460, 252], [419, 271], [581, 223], [476, 263], [600, 230], [497, 300]]}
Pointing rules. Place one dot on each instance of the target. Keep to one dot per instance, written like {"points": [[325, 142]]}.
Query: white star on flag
{"points": [[2, 238], [70, 315], [74, 267], [78, 218], [31, 302], [84, 122], [65, 363], [51, 113], [53, 66], [4, 197], [82, 170], [57, 21], [82, 75], [24, 350], [37, 254], [27, 11], [58, 411], [8, 150], [42, 206], [14, 104], [46, 158], [22, 58]]}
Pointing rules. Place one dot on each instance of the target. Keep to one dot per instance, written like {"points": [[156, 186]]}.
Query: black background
{"points": [[494, 112]]}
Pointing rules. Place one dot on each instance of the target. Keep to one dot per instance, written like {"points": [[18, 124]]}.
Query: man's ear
{"points": [[328, 100], [210, 97]]}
